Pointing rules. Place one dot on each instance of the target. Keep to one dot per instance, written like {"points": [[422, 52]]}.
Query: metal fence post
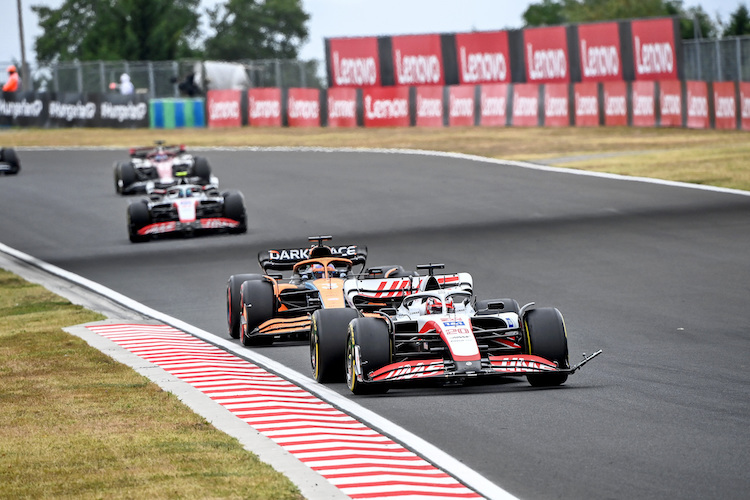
{"points": [[102, 85], [277, 71], [718, 61], [739, 59], [79, 77]]}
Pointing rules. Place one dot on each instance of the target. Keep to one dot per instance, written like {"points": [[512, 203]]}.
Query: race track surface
{"points": [[658, 276]]}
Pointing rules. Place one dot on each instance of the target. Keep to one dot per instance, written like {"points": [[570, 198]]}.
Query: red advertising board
{"points": [[418, 60], [556, 113], [644, 104], [483, 57], [654, 54], [264, 107], [342, 107], [525, 105], [429, 106], [386, 106], [670, 103], [303, 107], [354, 62], [697, 104], [600, 52], [615, 104], [586, 104], [745, 105], [461, 105], [725, 105], [546, 54], [223, 108], [493, 105]]}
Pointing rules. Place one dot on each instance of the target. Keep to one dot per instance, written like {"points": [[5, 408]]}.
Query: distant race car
{"points": [[432, 329], [265, 308], [160, 167], [9, 164], [186, 209]]}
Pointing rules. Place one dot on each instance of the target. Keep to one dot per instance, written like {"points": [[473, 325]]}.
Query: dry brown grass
{"points": [[76, 424]]}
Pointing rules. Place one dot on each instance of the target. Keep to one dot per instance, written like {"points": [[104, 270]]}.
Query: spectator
{"points": [[187, 87], [125, 85], [13, 81]]}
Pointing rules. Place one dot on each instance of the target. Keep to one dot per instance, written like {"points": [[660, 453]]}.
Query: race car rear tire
{"points": [[127, 176], [10, 157], [202, 169], [510, 305], [138, 217], [328, 343], [258, 303], [234, 305], [234, 208], [546, 337], [372, 338]]}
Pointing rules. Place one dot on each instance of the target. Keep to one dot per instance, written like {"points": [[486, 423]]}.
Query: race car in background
{"points": [[263, 308], [431, 329], [160, 167], [186, 209], [9, 164]]}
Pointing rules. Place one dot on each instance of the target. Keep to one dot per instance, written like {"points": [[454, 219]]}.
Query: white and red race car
{"points": [[432, 329]]}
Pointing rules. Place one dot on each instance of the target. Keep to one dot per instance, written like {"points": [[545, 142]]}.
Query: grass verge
{"points": [[77, 424]]}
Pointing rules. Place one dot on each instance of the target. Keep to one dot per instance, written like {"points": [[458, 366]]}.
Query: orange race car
{"points": [[268, 307]]}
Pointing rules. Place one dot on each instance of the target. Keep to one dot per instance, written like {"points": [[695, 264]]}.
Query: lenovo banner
{"points": [[353, 62], [525, 105], [386, 106], [654, 49], [342, 107], [600, 54], [264, 107], [483, 57], [224, 108], [697, 104], [586, 104], [546, 55], [615, 103], [643, 102], [303, 107], [418, 60], [556, 113], [745, 105], [461, 100], [725, 105], [670, 103], [494, 104], [429, 106]]}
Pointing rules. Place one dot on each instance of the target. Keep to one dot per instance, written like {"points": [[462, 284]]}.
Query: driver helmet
{"points": [[318, 271], [161, 156], [433, 306]]}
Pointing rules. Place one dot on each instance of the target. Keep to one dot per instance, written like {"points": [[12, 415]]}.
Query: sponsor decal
{"points": [[159, 227], [654, 49], [261, 108], [494, 103], [297, 254], [615, 103], [303, 109], [653, 57], [697, 104], [546, 54], [586, 101], [340, 108], [519, 364], [124, 112], [386, 106], [556, 106], [598, 61], [670, 104], [22, 109], [223, 110], [483, 67], [354, 62], [586, 105], [644, 104], [461, 105], [725, 106], [417, 60], [494, 106], [556, 111], [70, 112], [429, 108], [218, 223]]}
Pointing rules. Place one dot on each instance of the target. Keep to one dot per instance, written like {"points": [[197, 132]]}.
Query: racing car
{"points": [[9, 164], [432, 329], [265, 308], [186, 209], [159, 167]]}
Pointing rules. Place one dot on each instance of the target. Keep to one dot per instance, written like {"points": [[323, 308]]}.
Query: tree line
{"points": [[160, 30]]}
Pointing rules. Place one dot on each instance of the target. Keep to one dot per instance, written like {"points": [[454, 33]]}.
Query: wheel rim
{"points": [[351, 376]]}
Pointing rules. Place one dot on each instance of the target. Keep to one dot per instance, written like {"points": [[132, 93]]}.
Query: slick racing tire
{"points": [[509, 305], [202, 169], [234, 208], [328, 343], [257, 299], [138, 217], [370, 336], [126, 177], [234, 305], [9, 156], [546, 337]]}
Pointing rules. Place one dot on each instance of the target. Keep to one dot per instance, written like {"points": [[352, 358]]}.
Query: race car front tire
{"points": [[202, 169], [258, 302], [234, 306], [234, 208], [370, 336], [138, 217], [127, 176], [328, 343], [545, 336], [9, 156]]}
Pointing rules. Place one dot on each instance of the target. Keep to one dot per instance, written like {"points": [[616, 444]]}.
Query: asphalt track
{"points": [[656, 275]]}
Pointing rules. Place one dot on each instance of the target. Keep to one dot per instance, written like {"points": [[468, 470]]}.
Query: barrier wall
{"points": [[171, 113]]}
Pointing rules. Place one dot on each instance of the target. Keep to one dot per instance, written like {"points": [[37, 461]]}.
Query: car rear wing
{"points": [[371, 294], [143, 152], [284, 259]]}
